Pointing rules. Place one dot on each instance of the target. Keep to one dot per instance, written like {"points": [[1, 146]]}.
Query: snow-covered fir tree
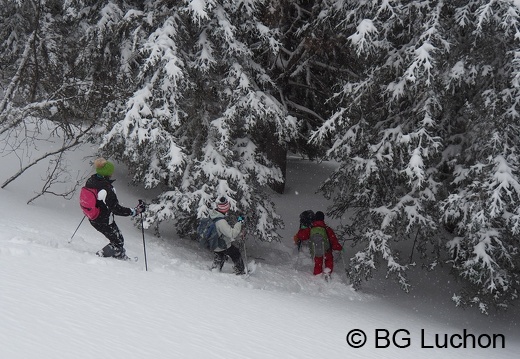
{"points": [[427, 136], [305, 68], [51, 66], [200, 109]]}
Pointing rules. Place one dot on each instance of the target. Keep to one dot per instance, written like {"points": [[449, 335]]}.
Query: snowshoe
{"points": [[251, 268], [239, 270], [118, 253], [109, 251], [127, 258], [327, 275]]}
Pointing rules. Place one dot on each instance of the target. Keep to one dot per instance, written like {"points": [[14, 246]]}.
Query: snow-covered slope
{"points": [[58, 300]]}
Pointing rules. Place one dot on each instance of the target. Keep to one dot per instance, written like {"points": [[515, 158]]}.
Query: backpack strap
{"points": [[215, 220]]}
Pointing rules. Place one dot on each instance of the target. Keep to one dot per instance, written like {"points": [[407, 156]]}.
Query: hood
{"points": [[215, 214]]}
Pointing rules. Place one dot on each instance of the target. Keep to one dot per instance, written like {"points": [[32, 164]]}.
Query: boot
{"points": [[111, 250], [239, 267], [239, 271], [218, 261], [121, 254], [107, 251]]}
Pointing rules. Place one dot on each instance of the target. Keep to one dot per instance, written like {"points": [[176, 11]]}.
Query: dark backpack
{"points": [[318, 241], [306, 218], [87, 202], [208, 234]]}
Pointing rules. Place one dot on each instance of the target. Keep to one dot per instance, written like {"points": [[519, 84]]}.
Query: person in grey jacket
{"points": [[229, 234]]}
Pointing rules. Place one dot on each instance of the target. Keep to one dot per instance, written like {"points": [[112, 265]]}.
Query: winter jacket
{"points": [[107, 199], [229, 234], [305, 233]]}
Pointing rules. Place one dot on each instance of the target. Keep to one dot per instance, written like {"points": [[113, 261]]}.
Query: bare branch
{"points": [[75, 142], [53, 177]]}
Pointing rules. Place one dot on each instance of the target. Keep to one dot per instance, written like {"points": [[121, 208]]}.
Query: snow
{"points": [[58, 300], [364, 29]]}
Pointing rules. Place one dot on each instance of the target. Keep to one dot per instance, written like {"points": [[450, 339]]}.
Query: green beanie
{"points": [[104, 168]]}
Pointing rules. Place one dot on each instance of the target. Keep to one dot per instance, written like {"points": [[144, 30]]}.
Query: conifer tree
{"points": [[199, 110], [426, 135]]}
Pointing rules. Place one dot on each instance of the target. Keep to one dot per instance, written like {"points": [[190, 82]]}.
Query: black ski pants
{"points": [[233, 253], [112, 232]]}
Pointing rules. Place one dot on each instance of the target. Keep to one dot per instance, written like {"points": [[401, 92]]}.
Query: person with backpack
{"points": [[306, 219], [322, 241], [229, 235], [107, 204]]}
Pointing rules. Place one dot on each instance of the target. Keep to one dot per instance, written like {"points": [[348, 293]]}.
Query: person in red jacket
{"points": [[322, 241]]}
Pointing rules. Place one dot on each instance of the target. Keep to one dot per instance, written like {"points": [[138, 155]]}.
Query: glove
{"points": [[240, 219], [337, 247], [140, 208]]}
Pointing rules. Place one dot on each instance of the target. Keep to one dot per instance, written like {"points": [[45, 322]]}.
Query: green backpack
{"points": [[318, 241]]}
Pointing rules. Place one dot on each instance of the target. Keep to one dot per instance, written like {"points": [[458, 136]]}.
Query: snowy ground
{"points": [[58, 300]]}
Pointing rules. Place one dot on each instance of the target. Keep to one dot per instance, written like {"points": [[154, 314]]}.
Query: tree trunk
{"points": [[277, 153]]}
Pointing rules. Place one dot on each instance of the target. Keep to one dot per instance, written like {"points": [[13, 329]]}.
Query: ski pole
{"points": [[70, 240], [245, 253], [144, 243]]}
